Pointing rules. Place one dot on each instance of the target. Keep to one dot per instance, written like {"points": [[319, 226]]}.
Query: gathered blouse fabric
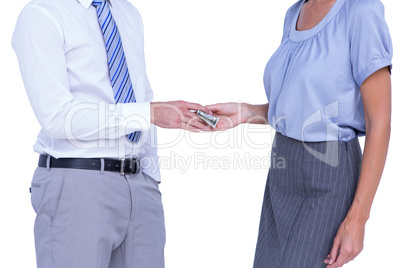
{"points": [[313, 79]]}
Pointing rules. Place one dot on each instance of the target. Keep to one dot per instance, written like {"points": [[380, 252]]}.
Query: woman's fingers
{"points": [[344, 256], [327, 260], [335, 250], [340, 261]]}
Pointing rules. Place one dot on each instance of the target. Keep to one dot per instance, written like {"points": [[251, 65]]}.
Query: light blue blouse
{"points": [[313, 79]]}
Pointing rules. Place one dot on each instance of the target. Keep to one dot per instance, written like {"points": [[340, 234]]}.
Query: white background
{"points": [[202, 51]]}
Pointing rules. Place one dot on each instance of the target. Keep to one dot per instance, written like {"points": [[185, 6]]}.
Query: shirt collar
{"points": [[87, 3]]}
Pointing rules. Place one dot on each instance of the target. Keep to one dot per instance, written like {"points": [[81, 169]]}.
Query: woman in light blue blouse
{"points": [[327, 84]]}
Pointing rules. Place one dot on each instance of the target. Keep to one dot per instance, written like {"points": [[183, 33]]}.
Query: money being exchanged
{"points": [[209, 119]]}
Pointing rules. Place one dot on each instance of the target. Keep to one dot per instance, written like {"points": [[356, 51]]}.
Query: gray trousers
{"points": [[86, 219], [310, 188]]}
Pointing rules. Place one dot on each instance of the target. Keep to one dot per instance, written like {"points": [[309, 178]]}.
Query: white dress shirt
{"points": [[63, 62]]}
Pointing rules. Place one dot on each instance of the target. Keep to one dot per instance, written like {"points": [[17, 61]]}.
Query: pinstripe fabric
{"points": [[119, 76], [305, 202]]}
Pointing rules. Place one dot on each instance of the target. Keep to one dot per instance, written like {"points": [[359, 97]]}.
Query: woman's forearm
{"points": [[376, 96], [255, 114], [374, 156]]}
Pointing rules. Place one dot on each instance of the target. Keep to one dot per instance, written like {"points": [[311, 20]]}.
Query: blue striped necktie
{"points": [[119, 76]]}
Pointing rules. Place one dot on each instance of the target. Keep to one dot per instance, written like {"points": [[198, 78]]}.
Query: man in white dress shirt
{"points": [[96, 207]]}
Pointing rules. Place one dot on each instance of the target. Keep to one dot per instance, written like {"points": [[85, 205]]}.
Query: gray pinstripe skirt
{"points": [[309, 190]]}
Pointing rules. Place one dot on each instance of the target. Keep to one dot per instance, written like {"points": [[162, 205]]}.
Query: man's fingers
{"points": [[196, 106], [215, 108], [196, 123], [193, 116], [189, 127]]}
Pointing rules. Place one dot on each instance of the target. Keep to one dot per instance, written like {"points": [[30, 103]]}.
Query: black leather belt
{"points": [[123, 166]]}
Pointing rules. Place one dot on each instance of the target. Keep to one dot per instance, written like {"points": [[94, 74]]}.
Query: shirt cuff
{"points": [[136, 117]]}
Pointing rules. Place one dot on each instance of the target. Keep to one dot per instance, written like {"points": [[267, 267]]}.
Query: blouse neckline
{"points": [[299, 36]]}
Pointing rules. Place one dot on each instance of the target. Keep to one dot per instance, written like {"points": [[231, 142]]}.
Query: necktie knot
{"points": [[97, 3]]}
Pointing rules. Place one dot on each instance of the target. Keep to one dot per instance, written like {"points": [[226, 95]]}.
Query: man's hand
{"points": [[178, 114]]}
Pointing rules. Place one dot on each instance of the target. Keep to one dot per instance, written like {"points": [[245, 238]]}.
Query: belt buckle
{"points": [[122, 165], [134, 165]]}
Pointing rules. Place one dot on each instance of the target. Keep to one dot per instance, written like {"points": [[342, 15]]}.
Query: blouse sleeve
{"points": [[371, 45]]}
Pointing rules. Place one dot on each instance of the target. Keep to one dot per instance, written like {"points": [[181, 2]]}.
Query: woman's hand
{"points": [[376, 96], [348, 243], [232, 114]]}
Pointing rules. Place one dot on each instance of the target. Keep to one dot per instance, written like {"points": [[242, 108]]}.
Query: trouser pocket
{"points": [[46, 188]]}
